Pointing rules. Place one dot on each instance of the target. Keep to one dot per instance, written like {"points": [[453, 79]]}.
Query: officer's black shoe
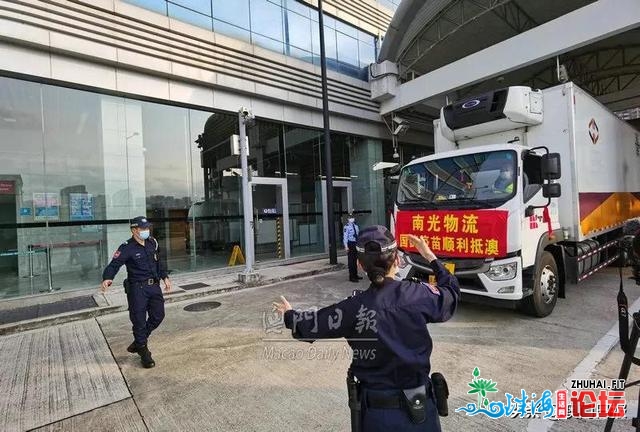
{"points": [[133, 348], [359, 277], [354, 280], [145, 357]]}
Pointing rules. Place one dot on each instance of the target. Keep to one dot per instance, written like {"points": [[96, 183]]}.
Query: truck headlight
{"points": [[502, 272]]}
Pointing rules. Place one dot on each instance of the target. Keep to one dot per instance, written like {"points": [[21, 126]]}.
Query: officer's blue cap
{"points": [[140, 222], [375, 239]]}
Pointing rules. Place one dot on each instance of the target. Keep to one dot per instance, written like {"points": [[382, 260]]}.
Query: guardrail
{"points": [[47, 249]]}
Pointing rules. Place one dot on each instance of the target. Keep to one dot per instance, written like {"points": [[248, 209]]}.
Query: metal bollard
{"points": [[30, 252]]}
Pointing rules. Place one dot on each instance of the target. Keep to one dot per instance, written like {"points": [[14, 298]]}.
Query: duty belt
{"points": [[389, 400], [150, 281]]}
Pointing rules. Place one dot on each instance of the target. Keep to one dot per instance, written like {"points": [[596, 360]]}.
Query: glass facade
{"points": [[392, 5], [286, 26], [75, 166]]}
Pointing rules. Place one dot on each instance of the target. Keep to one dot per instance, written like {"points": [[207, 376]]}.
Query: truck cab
{"points": [[484, 202]]}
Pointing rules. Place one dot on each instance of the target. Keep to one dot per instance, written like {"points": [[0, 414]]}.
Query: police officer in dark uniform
{"points": [[144, 271], [386, 327]]}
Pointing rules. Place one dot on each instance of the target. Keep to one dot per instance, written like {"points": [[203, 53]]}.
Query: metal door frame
{"points": [[282, 182], [325, 221]]}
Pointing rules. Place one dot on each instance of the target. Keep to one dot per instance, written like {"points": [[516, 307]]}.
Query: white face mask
{"points": [[144, 234], [351, 220]]}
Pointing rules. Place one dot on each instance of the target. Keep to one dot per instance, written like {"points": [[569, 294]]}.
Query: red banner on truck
{"points": [[455, 233]]}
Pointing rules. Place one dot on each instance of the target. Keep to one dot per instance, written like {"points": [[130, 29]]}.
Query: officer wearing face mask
{"points": [[504, 183], [140, 254]]}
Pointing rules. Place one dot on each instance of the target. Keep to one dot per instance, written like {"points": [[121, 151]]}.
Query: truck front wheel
{"points": [[545, 288]]}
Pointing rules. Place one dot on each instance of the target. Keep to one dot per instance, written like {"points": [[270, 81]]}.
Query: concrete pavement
{"points": [[185, 286], [233, 369]]}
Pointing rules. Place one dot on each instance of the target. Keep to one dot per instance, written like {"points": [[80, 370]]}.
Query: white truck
{"points": [[576, 169]]}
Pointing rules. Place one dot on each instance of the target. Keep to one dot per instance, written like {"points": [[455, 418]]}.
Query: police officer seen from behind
{"points": [[386, 327], [144, 270], [349, 239]]}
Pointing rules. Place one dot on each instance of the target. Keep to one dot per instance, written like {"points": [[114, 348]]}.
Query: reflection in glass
{"points": [[347, 50], [190, 16], [330, 47], [200, 6], [278, 25], [75, 185], [222, 27], [264, 142], [298, 31], [266, 19], [268, 43], [233, 12], [303, 162], [299, 8], [165, 167], [21, 175], [216, 223], [367, 54], [103, 160], [159, 6]]}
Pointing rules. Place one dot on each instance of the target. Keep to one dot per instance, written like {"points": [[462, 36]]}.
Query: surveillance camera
{"points": [[245, 112], [247, 116]]}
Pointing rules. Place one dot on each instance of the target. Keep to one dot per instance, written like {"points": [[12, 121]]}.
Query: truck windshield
{"points": [[479, 180]]}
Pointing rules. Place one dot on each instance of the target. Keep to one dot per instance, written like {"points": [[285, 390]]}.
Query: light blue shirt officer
{"points": [[350, 232]]}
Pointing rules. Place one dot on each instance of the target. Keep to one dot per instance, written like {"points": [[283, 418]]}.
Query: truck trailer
{"points": [[527, 190]]}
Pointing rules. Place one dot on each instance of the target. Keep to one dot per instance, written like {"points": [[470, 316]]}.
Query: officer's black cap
{"points": [[140, 222], [375, 239]]}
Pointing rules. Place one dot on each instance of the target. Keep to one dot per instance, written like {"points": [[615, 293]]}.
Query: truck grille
{"points": [[461, 263]]}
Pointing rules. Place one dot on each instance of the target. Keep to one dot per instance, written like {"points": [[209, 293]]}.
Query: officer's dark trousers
{"points": [[352, 260], [397, 420], [145, 300]]}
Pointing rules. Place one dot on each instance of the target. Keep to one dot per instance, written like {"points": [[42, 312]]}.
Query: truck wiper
{"points": [[468, 203]]}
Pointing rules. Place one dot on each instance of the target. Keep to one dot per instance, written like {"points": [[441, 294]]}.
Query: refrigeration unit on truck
{"points": [[575, 181]]}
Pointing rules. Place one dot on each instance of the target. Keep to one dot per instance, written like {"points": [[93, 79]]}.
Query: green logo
{"points": [[482, 386]]}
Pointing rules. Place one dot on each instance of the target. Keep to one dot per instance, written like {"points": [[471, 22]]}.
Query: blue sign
{"points": [[47, 212], [25, 211], [80, 206]]}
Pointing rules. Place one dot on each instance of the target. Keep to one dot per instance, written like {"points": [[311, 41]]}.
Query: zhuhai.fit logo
{"points": [[585, 399]]}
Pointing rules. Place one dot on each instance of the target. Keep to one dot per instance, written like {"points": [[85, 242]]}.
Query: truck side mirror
{"points": [[551, 166], [551, 190]]}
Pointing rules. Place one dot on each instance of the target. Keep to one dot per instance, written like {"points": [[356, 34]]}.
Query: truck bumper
{"points": [[475, 281]]}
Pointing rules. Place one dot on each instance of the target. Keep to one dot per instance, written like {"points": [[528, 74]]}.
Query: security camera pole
{"points": [[244, 117], [331, 225]]}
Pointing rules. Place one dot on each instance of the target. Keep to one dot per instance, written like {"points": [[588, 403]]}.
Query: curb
{"points": [[21, 326]]}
